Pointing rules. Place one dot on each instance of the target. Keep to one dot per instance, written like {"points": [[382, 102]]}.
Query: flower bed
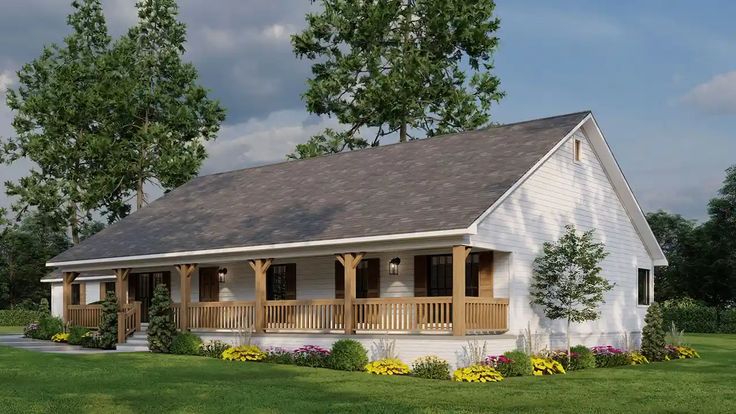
{"points": [[680, 352], [389, 366], [311, 356], [243, 353], [546, 366], [607, 356], [477, 373]]}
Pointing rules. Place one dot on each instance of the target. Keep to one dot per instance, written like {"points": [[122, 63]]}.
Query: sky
{"points": [[659, 76]]}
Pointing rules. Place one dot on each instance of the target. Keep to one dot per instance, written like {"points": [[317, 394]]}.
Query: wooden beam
{"points": [[185, 289], [66, 298], [459, 254], [121, 286], [260, 268], [350, 261]]}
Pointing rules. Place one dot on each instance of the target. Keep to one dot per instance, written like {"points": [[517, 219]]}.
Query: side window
{"points": [[76, 294], [644, 287]]}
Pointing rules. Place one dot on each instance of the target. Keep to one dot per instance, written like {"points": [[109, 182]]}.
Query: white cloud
{"points": [[717, 95], [7, 78]]}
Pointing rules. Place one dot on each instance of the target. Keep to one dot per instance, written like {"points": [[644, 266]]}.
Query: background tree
{"points": [[567, 283], [59, 117], [410, 67], [675, 236], [653, 334], [162, 116]]}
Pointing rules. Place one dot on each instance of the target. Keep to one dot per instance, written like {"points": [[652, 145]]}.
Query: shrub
{"points": [[161, 328], [60, 337], [311, 356], [384, 348], [186, 343], [474, 353], [561, 357], [389, 366], [30, 331], [46, 327], [107, 333], [214, 349], [477, 373], [243, 353], [653, 334], [348, 355], [279, 355], [546, 366], [77, 334], [585, 358], [680, 352], [519, 364], [607, 356], [693, 316], [19, 317], [636, 358], [430, 367]]}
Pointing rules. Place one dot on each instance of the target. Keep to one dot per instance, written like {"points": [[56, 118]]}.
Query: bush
{"points": [[19, 317], [680, 352], [653, 334], [607, 356], [46, 327], [243, 353], [694, 316], [279, 356], [477, 373], [636, 358], [430, 367], [348, 355], [585, 358], [546, 366], [388, 366], [60, 337], [106, 336], [186, 343], [77, 335], [161, 328], [519, 364], [311, 356], [214, 349]]}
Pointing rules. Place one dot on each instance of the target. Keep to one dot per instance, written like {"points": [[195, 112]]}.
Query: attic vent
{"points": [[577, 149]]}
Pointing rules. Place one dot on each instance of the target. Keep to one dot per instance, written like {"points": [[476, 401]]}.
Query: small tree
{"points": [[653, 335], [567, 283], [108, 329], [161, 328]]}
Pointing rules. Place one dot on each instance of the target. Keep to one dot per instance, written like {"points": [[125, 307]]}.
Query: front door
{"points": [[209, 285], [141, 285]]}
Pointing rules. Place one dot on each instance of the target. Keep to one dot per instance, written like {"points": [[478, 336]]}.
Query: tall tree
{"points": [[162, 114], [567, 283], [59, 107], [406, 67], [674, 233]]}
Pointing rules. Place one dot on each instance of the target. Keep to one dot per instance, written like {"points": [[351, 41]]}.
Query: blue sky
{"points": [[660, 77]]}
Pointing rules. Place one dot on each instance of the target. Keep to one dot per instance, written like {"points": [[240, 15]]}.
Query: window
{"points": [[76, 294], [577, 149], [276, 283], [361, 279], [106, 288], [644, 290], [439, 281]]}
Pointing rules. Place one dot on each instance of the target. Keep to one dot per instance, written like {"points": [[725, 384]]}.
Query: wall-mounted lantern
{"points": [[393, 266], [221, 272]]}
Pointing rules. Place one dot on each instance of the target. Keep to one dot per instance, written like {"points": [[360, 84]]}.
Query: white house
{"points": [[370, 243]]}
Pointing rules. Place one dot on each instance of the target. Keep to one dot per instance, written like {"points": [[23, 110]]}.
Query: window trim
{"points": [[648, 283], [577, 150]]}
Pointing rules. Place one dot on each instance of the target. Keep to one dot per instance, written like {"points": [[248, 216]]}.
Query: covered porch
{"points": [[388, 292]]}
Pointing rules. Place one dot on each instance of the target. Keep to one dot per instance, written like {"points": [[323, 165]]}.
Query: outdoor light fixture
{"points": [[393, 266], [221, 272]]}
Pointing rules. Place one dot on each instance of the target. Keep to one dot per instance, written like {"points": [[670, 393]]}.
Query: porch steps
{"points": [[138, 342]]}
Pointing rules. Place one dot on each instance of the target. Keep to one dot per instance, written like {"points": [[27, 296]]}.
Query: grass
{"points": [[131, 383], [4, 330]]}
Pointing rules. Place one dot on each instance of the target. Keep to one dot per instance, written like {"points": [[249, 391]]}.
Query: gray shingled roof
{"points": [[439, 183]]}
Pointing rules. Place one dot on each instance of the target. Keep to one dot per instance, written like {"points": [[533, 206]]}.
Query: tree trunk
{"points": [[139, 194], [402, 133], [569, 354], [74, 222]]}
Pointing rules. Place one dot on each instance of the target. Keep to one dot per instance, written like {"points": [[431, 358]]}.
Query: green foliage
{"points": [[520, 365], [653, 335], [186, 343], [279, 356], [214, 349], [430, 367], [106, 336], [674, 233], [348, 355], [418, 67], [46, 327], [311, 356], [567, 283], [161, 327], [585, 358], [77, 335], [18, 317]]}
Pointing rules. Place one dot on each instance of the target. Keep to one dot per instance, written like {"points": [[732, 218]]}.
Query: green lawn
{"points": [[133, 383], [11, 330]]}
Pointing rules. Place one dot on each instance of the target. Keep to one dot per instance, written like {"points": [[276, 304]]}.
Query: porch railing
{"points": [[222, 315], [323, 315], [88, 316], [129, 320], [416, 314], [486, 315]]}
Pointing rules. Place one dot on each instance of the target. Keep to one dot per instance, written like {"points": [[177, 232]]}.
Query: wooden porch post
{"points": [[185, 277], [67, 280], [260, 267], [350, 262], [459, 254], [121, 286]]}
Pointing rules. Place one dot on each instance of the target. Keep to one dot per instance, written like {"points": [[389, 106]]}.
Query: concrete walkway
{"points": [[18, 341]]}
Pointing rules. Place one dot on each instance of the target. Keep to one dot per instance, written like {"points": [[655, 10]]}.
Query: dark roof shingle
{"points": [[439, 183]]}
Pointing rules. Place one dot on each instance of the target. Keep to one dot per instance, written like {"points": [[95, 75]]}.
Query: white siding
{"points": [[564, 192], [57, 295]]}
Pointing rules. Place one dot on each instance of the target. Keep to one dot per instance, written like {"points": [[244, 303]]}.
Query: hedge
{"points": [[696, 317], [18, 317]]}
